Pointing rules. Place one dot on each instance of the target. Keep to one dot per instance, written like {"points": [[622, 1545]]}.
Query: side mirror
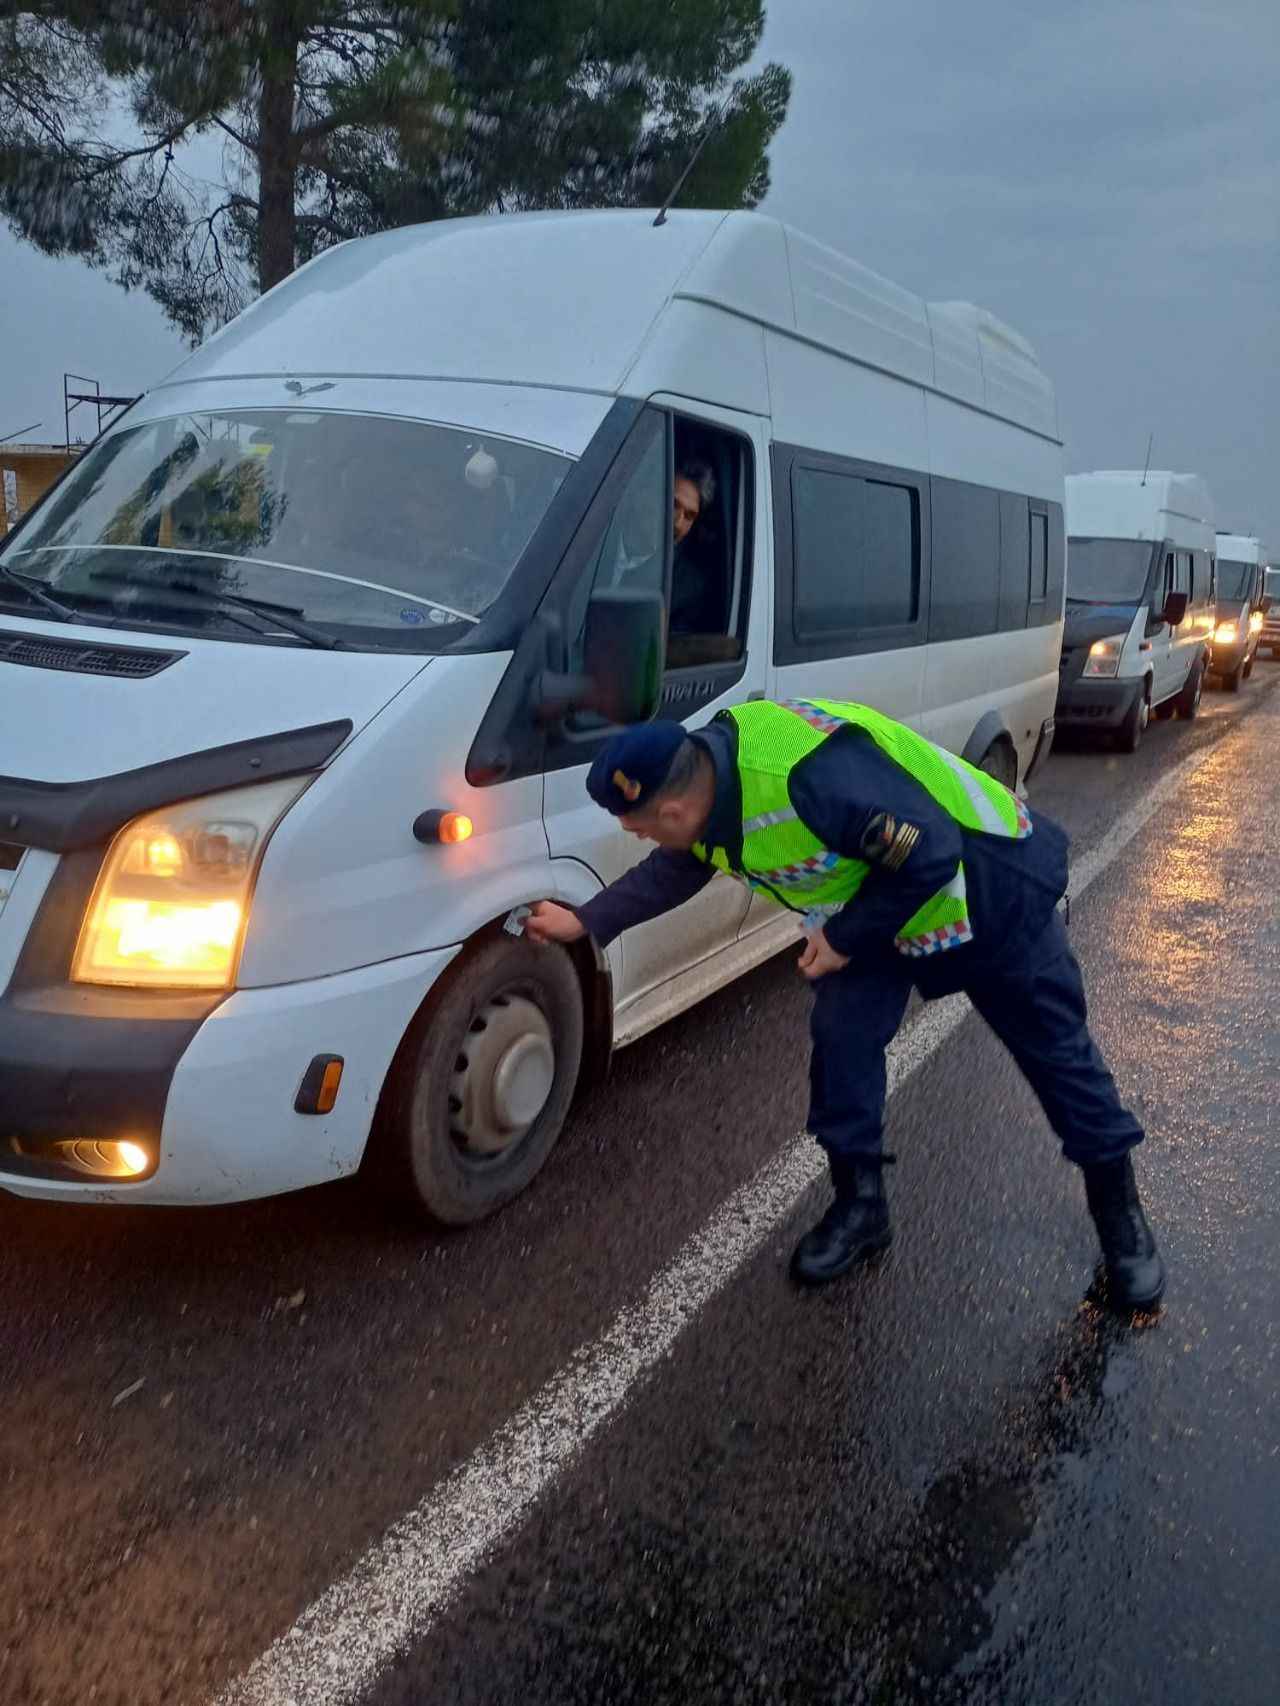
{"points": [[624, 647], [1175, 608]]}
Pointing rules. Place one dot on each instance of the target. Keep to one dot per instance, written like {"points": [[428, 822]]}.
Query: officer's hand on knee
{"points": [[819, 957], [548, 922]]}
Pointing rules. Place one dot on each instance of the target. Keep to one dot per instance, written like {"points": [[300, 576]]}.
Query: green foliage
{"points": [[337, 118]]}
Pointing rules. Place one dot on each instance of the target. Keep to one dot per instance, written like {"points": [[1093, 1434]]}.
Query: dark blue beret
{"points": [[631, 767]]}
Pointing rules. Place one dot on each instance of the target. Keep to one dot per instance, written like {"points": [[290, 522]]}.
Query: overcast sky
{"points": [[1103, 174]]}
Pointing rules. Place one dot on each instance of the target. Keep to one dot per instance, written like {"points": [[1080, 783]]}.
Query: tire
{"points": [[1166, 710], [1248, 668], [1232, 682], [1134, 726], [1001, 762], [1187, 704], [483, 1081]]}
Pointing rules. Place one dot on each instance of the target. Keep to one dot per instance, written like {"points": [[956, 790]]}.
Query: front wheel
{"points": [[1134, 726], [1232, 682], [484, 1080], [1187, 703]]}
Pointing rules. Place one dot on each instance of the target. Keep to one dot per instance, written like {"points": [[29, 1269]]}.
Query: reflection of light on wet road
{"points": [[1185, 908]]}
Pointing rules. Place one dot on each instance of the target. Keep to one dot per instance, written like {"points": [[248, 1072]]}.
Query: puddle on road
{"points": [[935, 1602]]}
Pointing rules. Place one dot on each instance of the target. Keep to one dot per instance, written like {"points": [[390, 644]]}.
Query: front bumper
{"points": [[1225, 660], [226, 1129], [1100, 703]]}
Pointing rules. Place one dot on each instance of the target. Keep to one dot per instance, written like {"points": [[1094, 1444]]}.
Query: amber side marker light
{"points": [[443, 828], [319, 1088]]}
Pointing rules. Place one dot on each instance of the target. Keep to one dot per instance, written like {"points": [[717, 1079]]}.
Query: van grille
{"points": [[132, 662]]}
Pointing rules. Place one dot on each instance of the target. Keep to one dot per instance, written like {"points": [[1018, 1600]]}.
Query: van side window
{"points": [[964, 588], [1039, 557], [712, 483], [1182, 572], [857, 553]]}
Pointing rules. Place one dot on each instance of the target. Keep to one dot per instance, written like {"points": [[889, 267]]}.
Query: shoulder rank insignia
{"points": [[888, 843]]}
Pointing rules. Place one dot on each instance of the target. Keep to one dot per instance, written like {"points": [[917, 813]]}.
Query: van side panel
{"points": [[702, 353], [344, 884], [825, 403], [1012, 667], [852, 420]]}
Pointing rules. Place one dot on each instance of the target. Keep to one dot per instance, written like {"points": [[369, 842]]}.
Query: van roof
{"points": [[571, 299], [1241, 548], [1123, 503]]}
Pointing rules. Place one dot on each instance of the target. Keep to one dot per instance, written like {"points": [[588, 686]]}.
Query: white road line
{"points": [[388, 1600]]}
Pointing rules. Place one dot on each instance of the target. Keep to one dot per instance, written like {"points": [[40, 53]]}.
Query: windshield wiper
{"points": [[284, 616], [35, 591]]}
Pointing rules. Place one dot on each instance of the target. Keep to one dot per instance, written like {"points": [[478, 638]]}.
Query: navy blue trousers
{"points": [[1034, 1002]]}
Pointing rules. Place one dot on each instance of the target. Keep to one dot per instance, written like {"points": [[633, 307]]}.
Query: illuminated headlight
{"points": [[172, 901], [1255, 622], [1104, 656], [1225, 634]]}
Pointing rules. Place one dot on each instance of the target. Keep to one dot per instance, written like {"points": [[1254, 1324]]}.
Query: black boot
{"points": [[854, 1227], [1135, 1273]]}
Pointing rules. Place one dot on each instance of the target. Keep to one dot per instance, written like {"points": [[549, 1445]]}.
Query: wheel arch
{"points": [[990, 730]]}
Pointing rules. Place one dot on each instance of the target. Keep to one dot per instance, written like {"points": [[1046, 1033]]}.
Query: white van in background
{"points": [[303, 664], [1269, 639], [1241, 583], [1140, 601]]}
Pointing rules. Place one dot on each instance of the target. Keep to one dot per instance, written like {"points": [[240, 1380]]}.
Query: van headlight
{"points": [[1225, 634], [172, 900], [1104, 656]]}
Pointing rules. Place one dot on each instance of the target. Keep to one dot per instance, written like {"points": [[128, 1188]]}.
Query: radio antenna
{"points": [[1151, 438], [713, 124]]}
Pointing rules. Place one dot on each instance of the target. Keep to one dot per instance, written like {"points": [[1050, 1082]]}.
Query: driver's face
{"points": [[688, 507]]}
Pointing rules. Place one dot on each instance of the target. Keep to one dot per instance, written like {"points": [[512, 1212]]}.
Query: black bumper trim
{"points": [[1092, 702]]}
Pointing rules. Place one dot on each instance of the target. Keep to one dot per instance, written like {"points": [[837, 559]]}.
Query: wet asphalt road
{"points": [[947, 1479]]}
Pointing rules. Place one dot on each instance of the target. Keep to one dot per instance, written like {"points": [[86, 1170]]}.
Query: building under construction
{"points": [[28, 470]]}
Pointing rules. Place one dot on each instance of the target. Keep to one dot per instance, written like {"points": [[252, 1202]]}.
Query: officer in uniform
{"points": [[910, 868]]}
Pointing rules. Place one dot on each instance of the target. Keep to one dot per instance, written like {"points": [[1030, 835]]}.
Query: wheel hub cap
{"points": [[503, 1074]]}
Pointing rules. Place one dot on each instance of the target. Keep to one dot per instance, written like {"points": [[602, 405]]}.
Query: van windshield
{"points": [[1233, 578], [1107, 571], [372, 530]]}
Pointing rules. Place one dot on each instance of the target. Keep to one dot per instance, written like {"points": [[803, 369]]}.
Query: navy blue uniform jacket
{"points": [[839, 792]]}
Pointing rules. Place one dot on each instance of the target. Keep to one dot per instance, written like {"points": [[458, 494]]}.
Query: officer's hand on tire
{"points": [[548, 922], [819, 957]]}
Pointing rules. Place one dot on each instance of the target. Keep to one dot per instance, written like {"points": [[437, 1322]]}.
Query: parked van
{"points": [[1140, 601], [1241, 583], [303, 665]]}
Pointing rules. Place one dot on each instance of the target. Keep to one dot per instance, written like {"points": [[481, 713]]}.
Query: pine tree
{"points": [[338, 118]]}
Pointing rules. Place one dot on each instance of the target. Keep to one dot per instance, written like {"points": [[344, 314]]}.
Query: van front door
{"points": [[1164, 675], [716, 650]]}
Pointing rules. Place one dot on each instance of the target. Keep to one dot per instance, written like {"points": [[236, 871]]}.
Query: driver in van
{"points": [[910, 868], [695, 600]]}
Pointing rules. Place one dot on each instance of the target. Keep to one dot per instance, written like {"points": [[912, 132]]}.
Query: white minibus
{"points": [[1270, 637], [1140, 601], [1241, 607], [303, 663]]}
